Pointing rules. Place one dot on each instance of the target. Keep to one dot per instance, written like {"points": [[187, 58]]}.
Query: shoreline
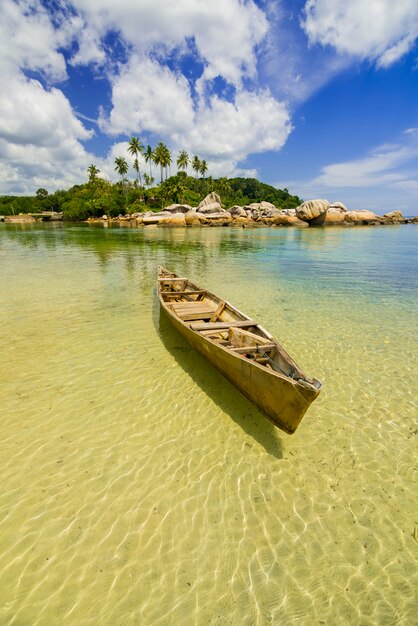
{"points": [[210, 212]]}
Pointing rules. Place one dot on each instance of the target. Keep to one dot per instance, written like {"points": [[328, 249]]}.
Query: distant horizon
{"points": [[317, 96]]}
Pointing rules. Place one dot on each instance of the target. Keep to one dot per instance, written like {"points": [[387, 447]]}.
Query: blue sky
{"points": [[319, 96]]}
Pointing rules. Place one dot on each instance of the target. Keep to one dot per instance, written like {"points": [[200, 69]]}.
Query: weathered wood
{"points": [[189, 317], [182, 293], [264, 348], [276, 385], [218, 311], [242, 338], [220, 325], [171, 278]]}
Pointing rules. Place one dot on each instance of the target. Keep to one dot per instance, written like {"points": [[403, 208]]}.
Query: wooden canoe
{"points": [[244, 352]]}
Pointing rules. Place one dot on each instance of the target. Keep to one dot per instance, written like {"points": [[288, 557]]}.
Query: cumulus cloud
{"points": [[225, 33], [152, 92], [29, 41], [253, 122], [148, 96], [40, 137], [378, 30]]}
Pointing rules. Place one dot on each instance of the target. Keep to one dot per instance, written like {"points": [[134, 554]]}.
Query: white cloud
{"points": [[40, 137], [29, 114], [225, 32], [379, 168], [253, 122], [148, 96], [378, 30], [293, 72], [373, 181]]}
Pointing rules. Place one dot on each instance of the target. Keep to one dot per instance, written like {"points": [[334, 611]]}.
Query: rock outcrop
{"points": [[311, 209], [363, 217], [178, 208], [288, 217], [338, 205], [334, 216], [213, 207], [151, 218], [209, 199], [178, 219], [396, 217], [193, 218], [238, 211]]}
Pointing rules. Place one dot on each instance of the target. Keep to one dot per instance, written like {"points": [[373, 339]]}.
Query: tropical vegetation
{"points": [[98, 196]]}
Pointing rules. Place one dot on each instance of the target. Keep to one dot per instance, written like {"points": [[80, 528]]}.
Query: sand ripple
{"points": [[139, 487]]}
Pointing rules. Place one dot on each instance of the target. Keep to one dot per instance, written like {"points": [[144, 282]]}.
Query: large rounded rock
{"points": [[335, 216], [237, 211], [396, 217], [156, 218], [287, 218], [211, 198], [192, 218], [414, 220], [177, 219], [178, 208], [311, 209], [214, 207], [338, 205], [222, 215], [363, 217]]}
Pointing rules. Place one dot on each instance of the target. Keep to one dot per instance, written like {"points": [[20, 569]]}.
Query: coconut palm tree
{"points": [[196, 165], [92, 171], [175, 190], [121, 167], [162, 157], [158, 158], [148, 180], [149, 158], [167, 161], [203, 167], [135, 148], [183, 160]]}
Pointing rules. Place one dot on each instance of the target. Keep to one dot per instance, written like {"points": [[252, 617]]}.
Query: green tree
{"points": [[135, 148], [162, 157], [174, 190], [149, 180], [196, 165], [183, 160], [121, 167], [149, 158], [92, 171], [203, 167]]}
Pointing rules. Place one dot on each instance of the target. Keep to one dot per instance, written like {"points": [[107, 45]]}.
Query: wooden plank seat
{"points": [[189, 311], [176, 294], [223, 325], [250, 349]]}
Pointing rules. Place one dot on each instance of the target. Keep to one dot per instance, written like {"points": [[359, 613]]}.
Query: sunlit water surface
{"points": [[139, 487]]}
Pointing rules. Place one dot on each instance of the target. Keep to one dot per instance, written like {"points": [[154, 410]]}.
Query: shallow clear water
{"points": [[140, 487]]}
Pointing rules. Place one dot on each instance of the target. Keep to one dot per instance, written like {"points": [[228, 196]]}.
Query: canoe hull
{"points": [[283, 400]]}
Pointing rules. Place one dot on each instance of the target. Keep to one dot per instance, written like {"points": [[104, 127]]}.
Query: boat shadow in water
{"points": [[229, 399]]}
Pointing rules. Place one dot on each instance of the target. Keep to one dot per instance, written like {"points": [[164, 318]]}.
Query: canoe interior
{"points": [[221, 323]]}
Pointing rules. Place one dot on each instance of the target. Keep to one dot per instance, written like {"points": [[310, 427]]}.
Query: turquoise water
{"points": [[139, 487]]}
